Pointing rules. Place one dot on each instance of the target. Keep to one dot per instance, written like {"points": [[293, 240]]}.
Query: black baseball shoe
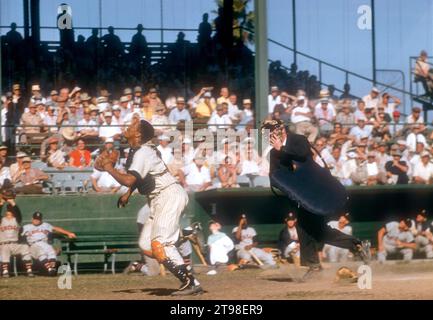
{"points": [[191, 290], [311, 273]]}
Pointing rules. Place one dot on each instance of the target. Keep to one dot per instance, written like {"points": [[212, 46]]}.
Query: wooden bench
{"points": [[109, 247]]}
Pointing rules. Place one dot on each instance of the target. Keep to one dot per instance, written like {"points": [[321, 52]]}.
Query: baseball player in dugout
{"points": [[313, 190], [37, 235], [10, 236], [167, 199]]}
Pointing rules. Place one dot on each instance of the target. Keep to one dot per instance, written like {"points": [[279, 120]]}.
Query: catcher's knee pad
{"points": [[158, 251]]}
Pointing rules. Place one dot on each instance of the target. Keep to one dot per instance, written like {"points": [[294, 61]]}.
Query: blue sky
{"points": [[327, 29]]}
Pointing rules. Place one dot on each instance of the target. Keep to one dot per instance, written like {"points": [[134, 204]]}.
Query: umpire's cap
{"points": [[37, 215], [147, 131]]}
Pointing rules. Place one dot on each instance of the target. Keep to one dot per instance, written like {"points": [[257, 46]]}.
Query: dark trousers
{"points": [[314, 233]]}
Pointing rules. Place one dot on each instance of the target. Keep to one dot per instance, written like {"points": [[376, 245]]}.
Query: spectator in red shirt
{"points": [[80, 157]]}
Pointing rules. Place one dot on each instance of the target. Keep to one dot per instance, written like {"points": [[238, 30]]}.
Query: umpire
{"points": [[292, 152]]}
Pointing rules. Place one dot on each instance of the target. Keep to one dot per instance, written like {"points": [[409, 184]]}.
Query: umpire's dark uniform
{"points": [[313, 231]]}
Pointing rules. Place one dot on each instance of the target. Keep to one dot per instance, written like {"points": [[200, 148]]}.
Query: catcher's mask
{"points": [[274, 126]]}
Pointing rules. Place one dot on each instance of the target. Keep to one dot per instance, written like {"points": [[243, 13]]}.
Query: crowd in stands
{"points": [[363, 141]]}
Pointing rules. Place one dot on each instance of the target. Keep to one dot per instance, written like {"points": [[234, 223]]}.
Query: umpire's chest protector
{"points": [[312, 187]]}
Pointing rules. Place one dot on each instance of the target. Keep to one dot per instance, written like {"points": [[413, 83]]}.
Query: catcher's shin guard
{"points": [[182, 272]]}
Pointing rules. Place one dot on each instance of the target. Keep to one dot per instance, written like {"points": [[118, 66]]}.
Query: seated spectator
{"points": [[219, 119], [373, 174], [360, 110], [166, 151], [233, 110], [397, 169], [423, 170], [346, 117], [16, 168], [55, 156], [302, 117], [389, 103], [4, 160], [360, 129], [219, 245], [103, 182], [335, 254], [195, 177], [335, 163], [117, 116], [227, 174], [288, 241], [372, 99], [50, 120], [416, 136], [179, 113], [109, 130], [396, 237], [337, 135], [30, 180], [87, 132], [422, 231], [415, 117], [325, 117], [246, 243], [32, 126], [273, 99], [159, 120], [285, 108], [246, 115], [80, 157], [205, 107]]}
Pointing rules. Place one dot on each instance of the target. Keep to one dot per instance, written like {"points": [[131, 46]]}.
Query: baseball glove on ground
{"points": [[106, 157]]}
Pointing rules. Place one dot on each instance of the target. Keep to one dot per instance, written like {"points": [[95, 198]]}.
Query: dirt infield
{"points": [[394, 281]]}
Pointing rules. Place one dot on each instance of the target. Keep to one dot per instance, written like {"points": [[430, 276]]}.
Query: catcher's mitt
{"points": [[107, 156], [345, 274]]}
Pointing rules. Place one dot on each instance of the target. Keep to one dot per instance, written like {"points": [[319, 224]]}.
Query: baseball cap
{"points": [[36, 87], [153, 90], [124, 99], [374, 89], [109, 140], [37, 215], [164, 138], [108, 114], [138, 89], [324, 100], [207, 95], [425, 154], [27, 159], [127, 91], [247, 101], [301, 98], [3, 147], [290, 217], [180, 100], [54, 93], [115, 108], [21, 154], [274, 88]]}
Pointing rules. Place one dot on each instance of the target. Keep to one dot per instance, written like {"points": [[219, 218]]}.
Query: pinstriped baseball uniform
{"points": [[167, 202]]}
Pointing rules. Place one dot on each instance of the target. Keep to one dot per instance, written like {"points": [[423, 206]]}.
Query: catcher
{"points": [[147, 173]]}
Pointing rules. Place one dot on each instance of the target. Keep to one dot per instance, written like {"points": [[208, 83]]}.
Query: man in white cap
{"points": [[36, 94], [423, 171], [246, 115], [273, 99], [206, 106], [179, 113], [416, 136], [125, 107], [325, 115], [302, 119], [219, 120], [372, 99], [108, 130], [16, 168], [196, 176]]}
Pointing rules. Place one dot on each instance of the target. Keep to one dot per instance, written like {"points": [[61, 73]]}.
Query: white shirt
{"points": [[38, 233], [359, 132], [412, 139], [247, 237], [104, 180], [166, 154], [423, 172], [300, 118], [84, 122], [219, 122], [250, 167], [394, 233], [273, 102], [109, 132], [370, 102], [220, 245], [410, 120], [194, 176]]}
